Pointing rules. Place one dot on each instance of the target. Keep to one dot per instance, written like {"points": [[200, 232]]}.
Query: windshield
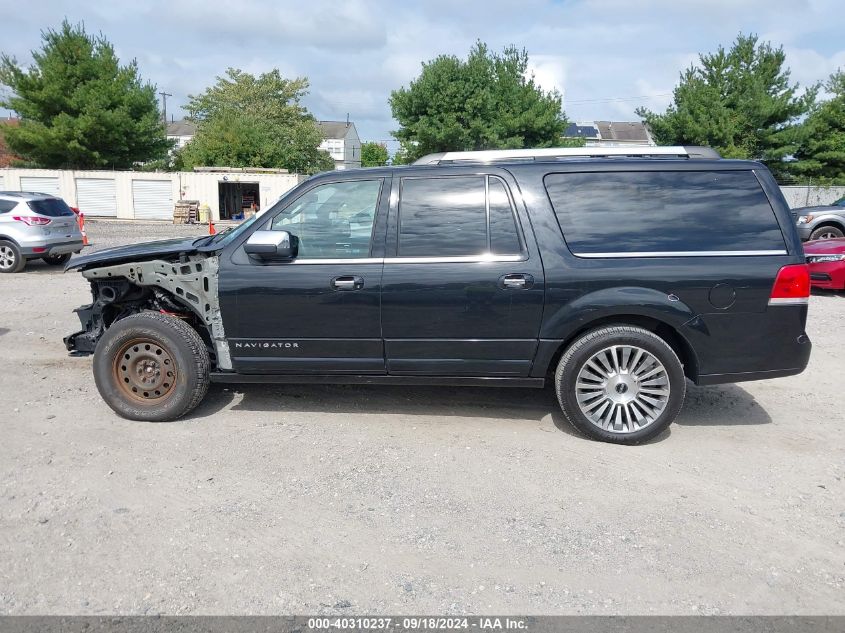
{"points": [[224, 237]]}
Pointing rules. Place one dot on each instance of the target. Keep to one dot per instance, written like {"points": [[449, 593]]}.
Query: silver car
{"points": [[822, 222], [36, 225]]}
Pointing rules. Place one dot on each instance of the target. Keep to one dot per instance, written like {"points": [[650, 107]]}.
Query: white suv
{"points": [[36, 225]]}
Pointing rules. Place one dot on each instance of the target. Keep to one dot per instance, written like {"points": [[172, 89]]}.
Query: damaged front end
{"points": [[185, 288]]}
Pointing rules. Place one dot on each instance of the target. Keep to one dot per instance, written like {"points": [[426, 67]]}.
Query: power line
{"points": [[607, 99], [164, 96]]}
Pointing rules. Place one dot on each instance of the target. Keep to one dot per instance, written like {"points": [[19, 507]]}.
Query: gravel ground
{"points": [[335, 499]]}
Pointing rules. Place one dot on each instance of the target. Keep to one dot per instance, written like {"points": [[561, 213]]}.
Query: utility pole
{"points": [[164, 96]]}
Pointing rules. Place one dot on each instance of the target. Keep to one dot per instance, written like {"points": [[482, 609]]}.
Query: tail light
{"points": [[32, 220], [792, 286]]}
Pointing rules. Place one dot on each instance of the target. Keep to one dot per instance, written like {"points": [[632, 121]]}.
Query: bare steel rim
{"points": [[145, 371], [7, 257], [622, 388]]}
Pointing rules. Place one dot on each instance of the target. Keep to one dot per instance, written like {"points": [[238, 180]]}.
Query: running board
{"points": [[364, 379]]}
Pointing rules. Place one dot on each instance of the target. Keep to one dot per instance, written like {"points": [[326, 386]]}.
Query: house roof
{"points": [[182, 127], [623, 131], [334, 129]]}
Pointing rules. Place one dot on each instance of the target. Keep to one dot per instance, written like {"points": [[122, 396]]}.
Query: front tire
{"points": [[56, 260], [11, 259], [826, 233], [620, 384], [151, 367]]}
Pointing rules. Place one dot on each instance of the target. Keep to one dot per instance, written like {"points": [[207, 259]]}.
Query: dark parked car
{"points": [[821, 222], [614, 277], [827, 263]]}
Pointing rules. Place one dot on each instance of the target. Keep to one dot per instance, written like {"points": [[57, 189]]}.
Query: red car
{"points": [[827, 263]]}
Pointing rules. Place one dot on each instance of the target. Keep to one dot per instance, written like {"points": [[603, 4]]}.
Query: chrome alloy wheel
{"points": [[622, 388], [7, 258]]}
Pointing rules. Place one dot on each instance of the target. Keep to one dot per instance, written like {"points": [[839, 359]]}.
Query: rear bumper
{"points": [[718, 379], [800, 354], [60, 248]]}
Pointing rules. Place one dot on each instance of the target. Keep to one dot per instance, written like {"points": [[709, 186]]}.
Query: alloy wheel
{"points": [[622, 388], [7, 258]]}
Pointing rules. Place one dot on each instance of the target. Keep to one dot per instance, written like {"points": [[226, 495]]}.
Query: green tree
{"points": [[79, 108], [738, 101], [248, 121], [373, 154], [821, 151], [487, 101], [324, 162]]}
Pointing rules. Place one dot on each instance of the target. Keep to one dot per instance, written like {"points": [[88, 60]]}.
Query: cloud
{"points": [[549, 71]]}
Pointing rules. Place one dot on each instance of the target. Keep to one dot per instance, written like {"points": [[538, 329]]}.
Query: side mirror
{"points": [[272, 245]]}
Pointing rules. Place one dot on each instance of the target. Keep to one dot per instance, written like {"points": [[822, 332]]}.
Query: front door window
{"points": [[333, 221]]}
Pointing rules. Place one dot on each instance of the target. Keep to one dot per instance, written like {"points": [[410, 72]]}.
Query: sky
{"points": [[606, 57]]}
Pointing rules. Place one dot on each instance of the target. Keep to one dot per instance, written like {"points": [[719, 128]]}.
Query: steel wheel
{"points": [[8, 257], [622, 388], [145, 371]]}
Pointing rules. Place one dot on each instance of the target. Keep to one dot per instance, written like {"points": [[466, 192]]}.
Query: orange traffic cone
{"points": [[211, 230], [80, 219]]}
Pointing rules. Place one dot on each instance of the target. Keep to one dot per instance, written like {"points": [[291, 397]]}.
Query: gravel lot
{"points": [[335, 499]]}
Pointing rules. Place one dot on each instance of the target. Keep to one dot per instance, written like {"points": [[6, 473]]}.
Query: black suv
{"points": [[613, 274]]}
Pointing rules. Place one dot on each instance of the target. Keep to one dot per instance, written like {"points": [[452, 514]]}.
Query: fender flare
{"points": [[605, 305]]}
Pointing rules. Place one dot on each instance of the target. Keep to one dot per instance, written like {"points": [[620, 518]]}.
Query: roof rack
{"points": [[553, 153]]}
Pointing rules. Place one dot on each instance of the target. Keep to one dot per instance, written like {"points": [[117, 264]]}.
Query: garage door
{"points": [[2, 182], [96, 196], [152, 199], [41, 184]]}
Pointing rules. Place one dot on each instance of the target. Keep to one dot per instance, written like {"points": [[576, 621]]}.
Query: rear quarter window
{"points": [[7, 205], [617, 213]]}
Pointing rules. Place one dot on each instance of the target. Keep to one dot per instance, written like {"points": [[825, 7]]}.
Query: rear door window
{"points": [[671, 212], [51, 207], [7, 205]]}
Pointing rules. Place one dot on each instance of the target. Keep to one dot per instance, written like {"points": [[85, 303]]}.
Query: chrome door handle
{"points": [[348, 282], [516, 281]]}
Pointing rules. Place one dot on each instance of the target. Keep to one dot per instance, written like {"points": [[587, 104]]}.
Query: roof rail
{"points": [[553, 153]]}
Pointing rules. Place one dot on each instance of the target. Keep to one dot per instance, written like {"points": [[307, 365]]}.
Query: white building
{"points": [[181, 131], [341, 141], [138, 195]]}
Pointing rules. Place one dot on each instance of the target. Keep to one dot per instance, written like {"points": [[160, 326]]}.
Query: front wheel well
{"points": [[118, 298], [662, 329], [831, 223]]}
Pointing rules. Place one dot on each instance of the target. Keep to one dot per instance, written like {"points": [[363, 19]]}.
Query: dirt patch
{"points": [[335, 499]]}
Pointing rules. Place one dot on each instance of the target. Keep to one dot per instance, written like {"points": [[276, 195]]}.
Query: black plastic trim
{"points": [[359, 379]]}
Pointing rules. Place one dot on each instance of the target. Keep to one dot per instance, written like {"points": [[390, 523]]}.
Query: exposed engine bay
{"points": [[186, 288]]}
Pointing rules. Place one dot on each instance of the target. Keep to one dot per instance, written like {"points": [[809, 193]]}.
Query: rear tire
{"points": [[11, 259], [826, 233], [56, 260], [151, 367], [620, 384]]}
